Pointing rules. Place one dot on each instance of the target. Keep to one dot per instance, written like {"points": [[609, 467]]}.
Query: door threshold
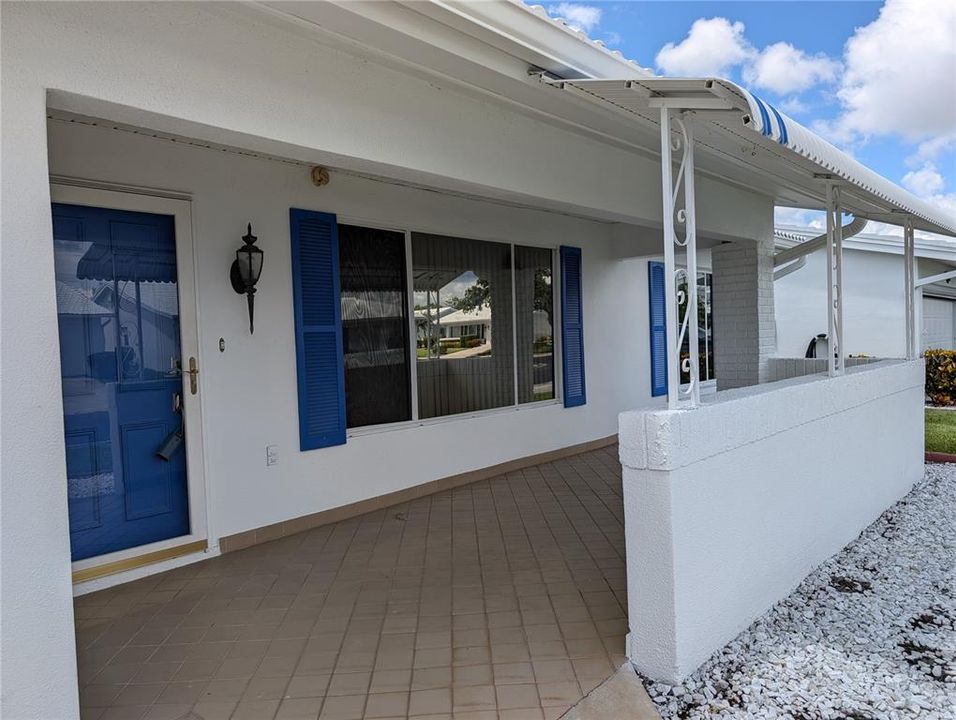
{"points": [[131, 563]]}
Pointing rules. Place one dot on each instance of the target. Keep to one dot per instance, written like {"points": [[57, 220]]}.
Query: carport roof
{"points": [[739, 136]]}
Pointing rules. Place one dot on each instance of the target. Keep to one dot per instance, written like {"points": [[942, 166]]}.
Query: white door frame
{"points": [[76, 193]]}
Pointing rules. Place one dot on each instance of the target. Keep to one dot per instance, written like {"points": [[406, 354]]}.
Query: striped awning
{"points": [[743, 136]]}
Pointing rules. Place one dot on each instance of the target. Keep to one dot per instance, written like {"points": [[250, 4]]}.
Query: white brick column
{"points": [[745, 333]]}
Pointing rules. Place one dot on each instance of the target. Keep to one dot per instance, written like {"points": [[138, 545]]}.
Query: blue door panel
{"points": [[86, 445], [148, 477], [118, 311]]}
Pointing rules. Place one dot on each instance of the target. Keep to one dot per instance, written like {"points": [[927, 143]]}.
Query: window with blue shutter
{"points": [[318, 329], [572, 327], [658, 324]]}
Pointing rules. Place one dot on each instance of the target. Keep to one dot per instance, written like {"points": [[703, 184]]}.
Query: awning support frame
{"points": [[909, 288], [677, 397], [835, 363]]}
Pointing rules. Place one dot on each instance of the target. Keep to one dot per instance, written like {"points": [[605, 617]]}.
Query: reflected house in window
{"points": [[456, 329]]}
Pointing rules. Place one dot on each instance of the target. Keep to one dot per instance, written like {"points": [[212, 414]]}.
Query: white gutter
{"points": [[799, 252], [791, 268], [936, 278]]}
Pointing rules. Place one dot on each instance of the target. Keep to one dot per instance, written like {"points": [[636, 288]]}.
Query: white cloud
{"points": [[793, 105], [712, 47], [585, 17], [933, 148], [783, 69], [799, 217], [900, 70], [612, 38], [924, 182]]}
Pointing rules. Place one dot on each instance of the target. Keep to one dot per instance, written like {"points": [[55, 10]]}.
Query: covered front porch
{"points": [[505, 598]]}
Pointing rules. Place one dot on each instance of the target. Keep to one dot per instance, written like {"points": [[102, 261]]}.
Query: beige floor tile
{"points": [[214, 710], [345, 707], [385, 705], [348, 683], [299, 709], [558, 694], [510, 652], [182, 692], [525, 571], [431, 678], [391, 681], [464, 675], [517, 696], [430, 702], [513, 673], [139, 694], [307, 686], [432, 657], [553, 671], [477, 697], [168, 711], [124, 712], [521, 714], [255, 710]]}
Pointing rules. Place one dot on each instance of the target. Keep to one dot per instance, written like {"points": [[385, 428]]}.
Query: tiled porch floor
{"points": [[504, 599]]}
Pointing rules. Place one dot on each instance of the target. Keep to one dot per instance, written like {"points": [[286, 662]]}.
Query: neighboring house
{"points": [[467, 323], [874, 272], [385, 153], [451, 323]]}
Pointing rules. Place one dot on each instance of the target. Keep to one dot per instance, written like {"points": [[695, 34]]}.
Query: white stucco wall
{"points": [[728, 523], [227, 74], [249, 391], [873, 303]]}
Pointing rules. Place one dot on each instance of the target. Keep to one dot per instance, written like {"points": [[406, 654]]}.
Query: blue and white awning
{"points": [[745, 139]]}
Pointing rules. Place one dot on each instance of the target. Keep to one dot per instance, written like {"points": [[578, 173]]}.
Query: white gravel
{"points": [[871, 634]]}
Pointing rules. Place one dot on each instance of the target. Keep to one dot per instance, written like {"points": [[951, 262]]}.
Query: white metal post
{"points": [[670, 307], [834, 281], [909, 288], [686, 216], [690, 246]]}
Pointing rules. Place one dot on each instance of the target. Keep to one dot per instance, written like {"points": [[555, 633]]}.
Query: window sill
{"points": [[411, 424]]}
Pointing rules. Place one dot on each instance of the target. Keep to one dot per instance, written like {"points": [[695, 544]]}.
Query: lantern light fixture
{"points": [[246, 269]]}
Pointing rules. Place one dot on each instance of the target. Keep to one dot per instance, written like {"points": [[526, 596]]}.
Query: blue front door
{"points": [[118, 312]]}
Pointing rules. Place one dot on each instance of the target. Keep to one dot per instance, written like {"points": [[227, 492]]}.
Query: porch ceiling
{"points": [[741, 137]]}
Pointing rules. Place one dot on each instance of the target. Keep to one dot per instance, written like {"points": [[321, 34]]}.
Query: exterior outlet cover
{"points": [[272, 455]]}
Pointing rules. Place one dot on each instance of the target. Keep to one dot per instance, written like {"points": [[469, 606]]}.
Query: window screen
{"points": [[463, 318], [535, 317], [705, 328], [374, 325]]}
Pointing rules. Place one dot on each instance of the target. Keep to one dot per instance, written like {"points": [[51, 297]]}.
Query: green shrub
{"points": [[941, 376]]}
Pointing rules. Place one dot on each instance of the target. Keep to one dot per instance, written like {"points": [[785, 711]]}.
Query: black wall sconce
{"points": [[246, 269]]}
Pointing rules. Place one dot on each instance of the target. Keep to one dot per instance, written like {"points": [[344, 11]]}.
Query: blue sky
{"points": [[878, 79]]}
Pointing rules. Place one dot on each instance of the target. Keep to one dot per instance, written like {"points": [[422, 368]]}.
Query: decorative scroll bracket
{"points": [[677, 214]]}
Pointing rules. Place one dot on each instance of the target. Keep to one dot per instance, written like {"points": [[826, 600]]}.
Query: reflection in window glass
{"points": [[535, 316], [374, 326], [463, 319], [705, 328]]}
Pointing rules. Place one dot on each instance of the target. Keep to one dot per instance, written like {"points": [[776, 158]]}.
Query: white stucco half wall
{"points": [[726, 523]]}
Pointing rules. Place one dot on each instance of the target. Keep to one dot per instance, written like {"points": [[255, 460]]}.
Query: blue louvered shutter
{"points": [[572, 327], [318, 329], [658, 323]]}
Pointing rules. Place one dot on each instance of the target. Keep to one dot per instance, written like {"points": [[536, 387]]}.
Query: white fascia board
{"points": [[520, 30]]}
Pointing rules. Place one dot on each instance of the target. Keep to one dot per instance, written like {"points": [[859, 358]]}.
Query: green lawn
{"points": [[941, 431]]}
